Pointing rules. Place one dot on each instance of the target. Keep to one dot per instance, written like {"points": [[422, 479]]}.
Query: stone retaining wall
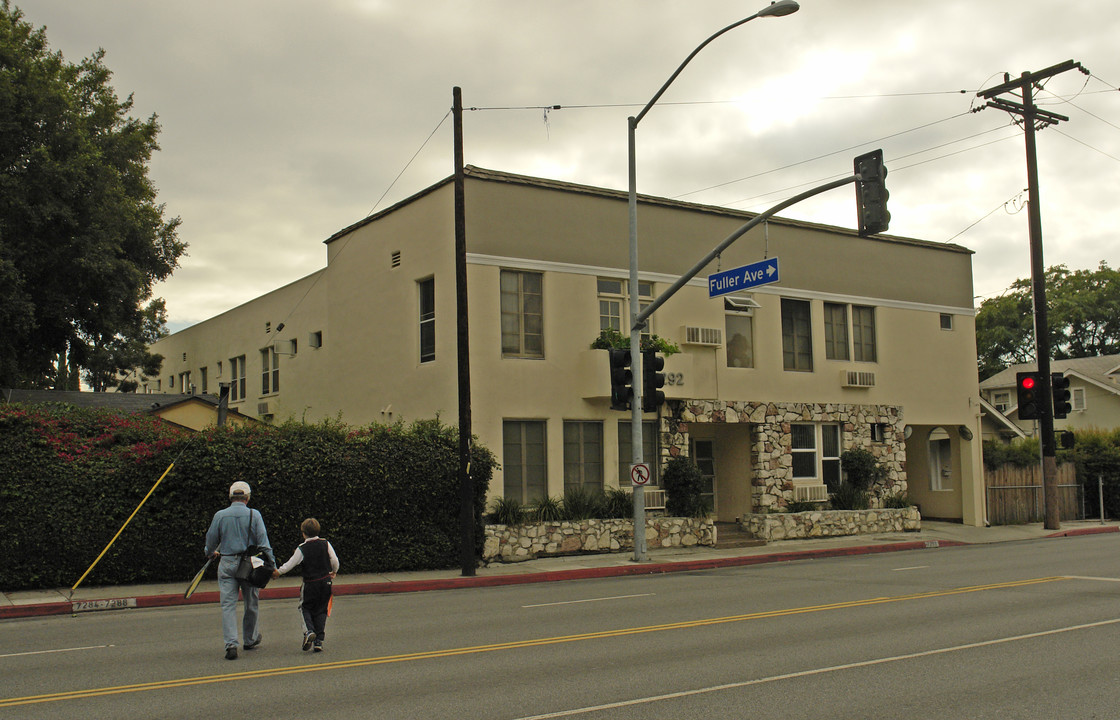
{"points": [[831, 523], [514, 543]]}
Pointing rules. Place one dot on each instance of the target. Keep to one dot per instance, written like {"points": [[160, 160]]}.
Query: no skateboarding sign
{"points": [[639, 475]]}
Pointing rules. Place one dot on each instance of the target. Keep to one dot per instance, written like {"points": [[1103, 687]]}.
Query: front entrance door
{"points": [[704, 455]]}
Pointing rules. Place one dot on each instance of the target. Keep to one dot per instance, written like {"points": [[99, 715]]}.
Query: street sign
{"points": [[762, 272], [639, 475]]}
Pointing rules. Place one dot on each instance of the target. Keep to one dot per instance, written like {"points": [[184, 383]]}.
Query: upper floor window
{"points": [[237, 378], [522, 311], [738, 323], [1001, 400], [1078, 396], [204, 381], [861, 346], [797, 335], [614, 304], [270, 371], [427, 320]]}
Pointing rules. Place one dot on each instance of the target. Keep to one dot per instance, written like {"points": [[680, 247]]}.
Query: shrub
{"points": [[581, 503], [684, 487], [897, 501], [546, 509], [618, 503], [507, 511], [1021, 452], [862, 469], [796, 506], [849, 497]]}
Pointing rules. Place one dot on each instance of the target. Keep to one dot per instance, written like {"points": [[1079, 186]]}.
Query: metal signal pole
{"points": [[1033, 116]]}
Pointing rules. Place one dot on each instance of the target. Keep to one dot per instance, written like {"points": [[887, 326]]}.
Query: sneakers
{"points": [[318, 646], [308, 639], [256, 643], [231, 652]]}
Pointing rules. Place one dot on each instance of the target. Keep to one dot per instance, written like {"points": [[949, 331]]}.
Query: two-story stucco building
{"points": [[865, 342]]}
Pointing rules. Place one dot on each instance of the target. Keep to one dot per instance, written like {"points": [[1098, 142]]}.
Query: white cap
{"points": [[239, 488]]}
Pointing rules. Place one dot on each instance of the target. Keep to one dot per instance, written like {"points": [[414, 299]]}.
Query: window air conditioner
{"points": [[857, 379], [710, 337], [810, 493]]}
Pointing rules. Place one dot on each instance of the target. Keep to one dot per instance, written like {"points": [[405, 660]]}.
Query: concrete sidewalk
{"points": [[34, 603]]}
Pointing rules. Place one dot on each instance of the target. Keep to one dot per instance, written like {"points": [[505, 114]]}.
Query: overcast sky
{"points": [[287, 120]]}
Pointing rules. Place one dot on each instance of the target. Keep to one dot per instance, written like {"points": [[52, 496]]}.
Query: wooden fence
{"points": [[1015, 495]]}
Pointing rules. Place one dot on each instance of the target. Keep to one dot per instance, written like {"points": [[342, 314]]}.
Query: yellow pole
{"points": [[126, 522]]}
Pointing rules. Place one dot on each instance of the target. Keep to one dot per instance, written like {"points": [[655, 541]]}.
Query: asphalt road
{"points": [[1012, 630]]}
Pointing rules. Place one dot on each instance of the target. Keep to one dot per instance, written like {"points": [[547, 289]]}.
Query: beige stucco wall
{"points": [[368, 369]]}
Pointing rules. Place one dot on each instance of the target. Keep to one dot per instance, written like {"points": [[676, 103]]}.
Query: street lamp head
{"points": [[779, 9]]}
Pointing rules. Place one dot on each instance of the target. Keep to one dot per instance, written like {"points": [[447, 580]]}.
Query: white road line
{"points": [[575, 602], [912, 567], [1086, 577], [815, 671], [59, 650]]}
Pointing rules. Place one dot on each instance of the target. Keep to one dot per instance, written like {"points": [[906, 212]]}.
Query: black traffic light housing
{"points": [[621, 378], [1027, 392], [1059, 391], [652, 381], [871, 193]]}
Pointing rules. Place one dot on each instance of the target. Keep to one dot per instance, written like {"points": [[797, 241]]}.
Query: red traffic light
{"points": [[1026, 382]]}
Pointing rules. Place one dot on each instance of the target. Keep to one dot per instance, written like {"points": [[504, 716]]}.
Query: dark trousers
{"points": [[314, 598]]}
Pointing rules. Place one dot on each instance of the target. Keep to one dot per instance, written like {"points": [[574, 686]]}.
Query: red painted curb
{"points": [[1086, 531], [210, 597]]}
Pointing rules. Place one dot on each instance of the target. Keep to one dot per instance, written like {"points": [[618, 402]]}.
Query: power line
{"points": [[1003, 205]]}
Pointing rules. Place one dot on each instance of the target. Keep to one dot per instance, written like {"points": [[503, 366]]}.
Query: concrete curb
{"points": [[376, 588]]}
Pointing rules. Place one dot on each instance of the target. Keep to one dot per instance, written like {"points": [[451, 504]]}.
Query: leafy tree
{"points": [[1083, 312], [82, 240]]}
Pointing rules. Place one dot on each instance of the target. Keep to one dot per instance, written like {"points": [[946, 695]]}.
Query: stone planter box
{"points": [[515, 543], [831, 523]]}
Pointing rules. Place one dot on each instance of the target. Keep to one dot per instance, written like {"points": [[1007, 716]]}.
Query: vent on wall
{"points": [[857, 379], [711, 337], [395, 259], [810, 493]]}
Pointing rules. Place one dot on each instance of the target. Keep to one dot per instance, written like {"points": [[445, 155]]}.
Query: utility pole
{"points": [[466, 482], [1032, 116]]}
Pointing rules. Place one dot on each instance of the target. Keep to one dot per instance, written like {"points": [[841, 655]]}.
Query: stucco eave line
{"points": [[778, 290]]}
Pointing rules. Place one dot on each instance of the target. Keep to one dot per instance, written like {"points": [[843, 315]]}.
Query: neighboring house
{"points": [[994, 425], [194, 412], [865, 342], [1094, 385]]}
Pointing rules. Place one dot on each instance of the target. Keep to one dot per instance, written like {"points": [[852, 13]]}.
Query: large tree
{"points": [[82, 239], [1083, 314]]}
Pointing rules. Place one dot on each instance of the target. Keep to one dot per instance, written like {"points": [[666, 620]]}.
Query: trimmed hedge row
{"points": [[387, 496]]}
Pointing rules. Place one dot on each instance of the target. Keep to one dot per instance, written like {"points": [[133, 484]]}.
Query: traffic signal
{"points": [[621, 377], [1027, 388], [871, 193], [1059, 391], [652, 381]]}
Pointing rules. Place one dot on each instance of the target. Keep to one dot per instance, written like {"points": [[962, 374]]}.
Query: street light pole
{"points": [[775, 9]]}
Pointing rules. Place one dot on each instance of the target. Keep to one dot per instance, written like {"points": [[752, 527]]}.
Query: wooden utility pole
{"points": [[1032, 116], [466, 481]]}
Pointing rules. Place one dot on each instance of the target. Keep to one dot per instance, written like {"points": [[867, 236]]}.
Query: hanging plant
{"points": [[611, 339]]}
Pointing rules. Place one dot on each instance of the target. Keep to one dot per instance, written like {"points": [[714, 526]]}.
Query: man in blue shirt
{"points": [[232, 530]]}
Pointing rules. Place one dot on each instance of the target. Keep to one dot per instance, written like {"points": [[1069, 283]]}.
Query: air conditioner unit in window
{"points": [[710, 337], [857, 379], [810, 493], [285, 347], [262, 408]]}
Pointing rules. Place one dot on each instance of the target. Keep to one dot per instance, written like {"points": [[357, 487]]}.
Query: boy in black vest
{"points": [[320, 565]]}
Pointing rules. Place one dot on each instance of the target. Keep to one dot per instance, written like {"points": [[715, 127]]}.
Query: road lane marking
{"points": [[912, 567], [589, 600], [814, 671], [1097, 579], [58, 650], [511, 645]]}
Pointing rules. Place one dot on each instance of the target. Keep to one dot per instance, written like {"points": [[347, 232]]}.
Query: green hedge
{"points": [[387, 496]]}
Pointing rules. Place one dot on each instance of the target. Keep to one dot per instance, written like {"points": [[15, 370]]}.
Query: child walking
{"points": [[320, 565]]}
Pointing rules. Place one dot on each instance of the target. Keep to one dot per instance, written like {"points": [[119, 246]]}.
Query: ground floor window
{"points": [[524, 460], [816, 452], [626, 452], [583, 455], [704, 455]]}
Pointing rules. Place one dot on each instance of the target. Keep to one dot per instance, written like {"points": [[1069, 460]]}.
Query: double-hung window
{"points": [[427, 319], [797, 335], [626, 452], [844, 342], [237, 378], [524, 460], [738, 324], [522, 311], [270, 371], [815, 451], [583, 455], [614, 305]]}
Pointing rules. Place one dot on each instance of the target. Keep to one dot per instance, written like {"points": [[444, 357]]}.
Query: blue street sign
{"points": [[762, 272]]}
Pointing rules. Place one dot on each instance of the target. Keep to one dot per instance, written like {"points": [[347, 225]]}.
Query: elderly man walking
{"points": [[232, 530]]}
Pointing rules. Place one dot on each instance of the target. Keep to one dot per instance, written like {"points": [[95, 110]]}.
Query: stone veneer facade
{"points": [[771, 455], [514, 543], [831, 523]]}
